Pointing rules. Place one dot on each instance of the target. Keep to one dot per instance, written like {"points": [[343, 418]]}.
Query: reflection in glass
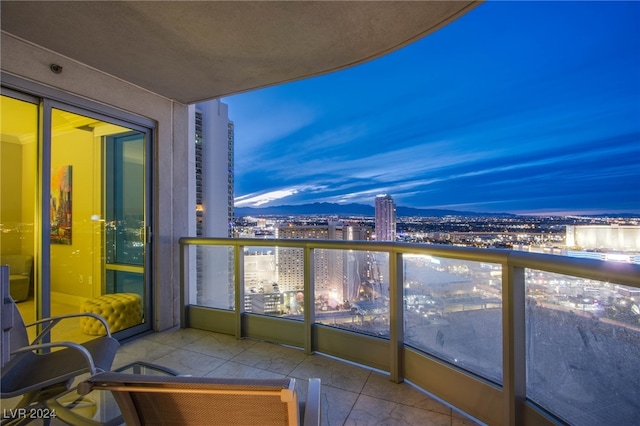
{"points": [[582, 348], [274, 281], [352, 290], [453, 309], [214, 283]]}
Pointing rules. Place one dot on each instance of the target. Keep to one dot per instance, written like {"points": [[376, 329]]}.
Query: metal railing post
{"points": [[309, 298], [238, 280], [513, 344], [396, 317], [184, 289]]}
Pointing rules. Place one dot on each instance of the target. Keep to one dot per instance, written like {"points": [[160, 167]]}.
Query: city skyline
{"points": [[525, 108]]}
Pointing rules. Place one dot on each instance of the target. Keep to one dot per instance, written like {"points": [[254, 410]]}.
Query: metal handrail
{"points": [[620, 273]]}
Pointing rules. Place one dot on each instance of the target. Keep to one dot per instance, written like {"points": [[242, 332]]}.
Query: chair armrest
{"points": [[53, 321], [312, 410], [85, 353]]}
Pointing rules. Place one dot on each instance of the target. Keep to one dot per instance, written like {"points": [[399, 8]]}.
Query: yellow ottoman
{"points": [[120, 310]]}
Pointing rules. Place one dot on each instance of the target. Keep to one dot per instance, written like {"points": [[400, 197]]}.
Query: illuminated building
{"points": [[385, 218], [624, 238]]}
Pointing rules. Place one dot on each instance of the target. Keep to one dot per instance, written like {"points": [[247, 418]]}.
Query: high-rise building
{"points": [[213, 135], [214, 140], [385, 218], [328, 267], [336, 272]]}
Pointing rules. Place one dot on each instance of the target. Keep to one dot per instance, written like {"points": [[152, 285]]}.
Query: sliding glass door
{"points": [[76, 202]]}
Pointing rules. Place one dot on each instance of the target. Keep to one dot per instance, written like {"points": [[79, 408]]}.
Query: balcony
{"points": [[351, 394], [506, 337]]}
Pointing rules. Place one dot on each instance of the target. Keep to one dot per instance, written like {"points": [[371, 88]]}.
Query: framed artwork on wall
{"points": [[60, 203]]}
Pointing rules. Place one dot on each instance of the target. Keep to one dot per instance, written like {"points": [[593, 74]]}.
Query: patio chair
{"points": [[157, 400], [40, 371]]}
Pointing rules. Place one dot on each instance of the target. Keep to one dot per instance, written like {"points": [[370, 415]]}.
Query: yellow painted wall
{"points": [[29, 194], [17, 199], [73, 267], [18, 150], [11, 196]]}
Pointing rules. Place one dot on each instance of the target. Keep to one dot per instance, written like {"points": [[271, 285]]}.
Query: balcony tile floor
{"points": [[351, 394]]}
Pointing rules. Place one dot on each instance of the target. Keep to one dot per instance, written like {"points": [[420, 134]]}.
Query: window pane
{"points": [[214, 284], [125, 282], [261, 290], [124, 210], [352, 290], [582, 348], [274, 281], [453, 310]]}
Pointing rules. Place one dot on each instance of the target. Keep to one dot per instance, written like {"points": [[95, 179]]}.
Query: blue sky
{"points": [[520, 107]]}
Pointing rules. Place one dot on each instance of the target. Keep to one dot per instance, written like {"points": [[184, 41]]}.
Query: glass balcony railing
{"points": [[508, 337], [452, 310]]}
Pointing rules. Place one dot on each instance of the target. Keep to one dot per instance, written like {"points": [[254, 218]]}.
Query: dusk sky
{"points": [[519, 107]]}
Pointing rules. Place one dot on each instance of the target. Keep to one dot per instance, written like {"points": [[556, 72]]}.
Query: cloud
{"points": [[259, 199], [545, 120]]}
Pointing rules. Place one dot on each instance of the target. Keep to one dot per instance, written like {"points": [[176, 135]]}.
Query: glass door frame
{"points": [[47, 99]]}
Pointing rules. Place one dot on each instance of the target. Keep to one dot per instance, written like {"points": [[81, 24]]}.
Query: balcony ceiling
{"points": [[193, 51]]}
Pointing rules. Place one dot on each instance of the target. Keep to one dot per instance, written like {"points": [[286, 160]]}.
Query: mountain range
{"points": [[352, 209]]}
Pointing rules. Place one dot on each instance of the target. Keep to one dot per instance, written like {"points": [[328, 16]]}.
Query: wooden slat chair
{"points": [[166, 400]]}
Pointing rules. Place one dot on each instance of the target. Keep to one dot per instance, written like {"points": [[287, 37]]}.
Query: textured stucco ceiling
{"points": [[192, 51]]}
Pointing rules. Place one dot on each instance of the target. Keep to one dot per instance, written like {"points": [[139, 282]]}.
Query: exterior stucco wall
{"points": [[171, 212]]}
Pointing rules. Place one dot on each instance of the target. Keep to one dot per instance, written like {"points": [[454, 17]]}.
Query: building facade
{"points": [[338, 274], [328, 266], [213, 140], [625, 238], [385, 218]]}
